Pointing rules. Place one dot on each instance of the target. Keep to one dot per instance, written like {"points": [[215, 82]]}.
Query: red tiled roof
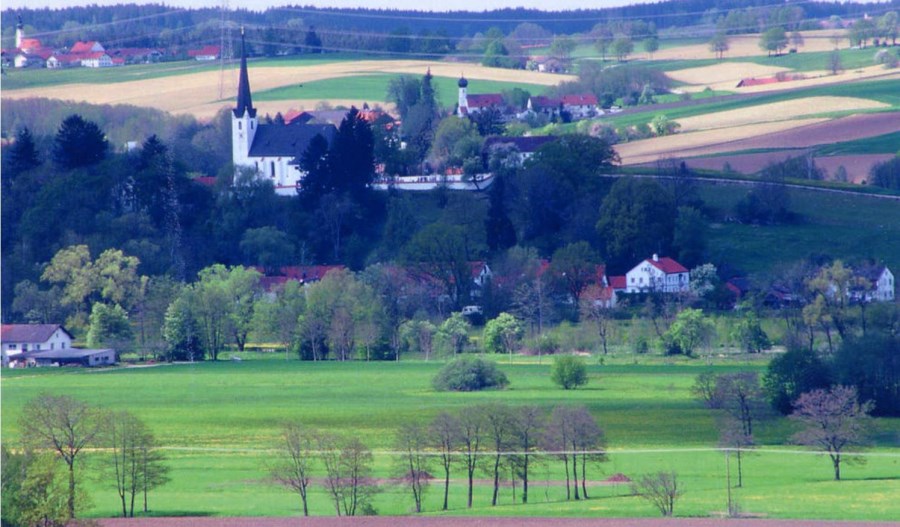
{"points": [[667, 265], [618, 282], [83, 47], [206, 181], [205, 50], [540, 101], [29, 332], [756, 82], [484, 100], [580, 100], [30, 44], [91, 55]]}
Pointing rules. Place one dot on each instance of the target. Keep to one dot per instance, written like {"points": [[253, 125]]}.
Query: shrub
{"points": [[569, 372], [469, 374]]}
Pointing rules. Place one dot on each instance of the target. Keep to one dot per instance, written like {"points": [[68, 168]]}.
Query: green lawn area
{"points": [[881, 144], [815, 60], [843, 226], [219, 422], [15, 79], [374, 88]]}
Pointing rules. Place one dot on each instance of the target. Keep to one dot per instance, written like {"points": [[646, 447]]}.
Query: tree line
{"points": [[506, 443]]}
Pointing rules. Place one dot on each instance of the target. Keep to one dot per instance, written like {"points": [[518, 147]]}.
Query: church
{"points": [[271, 150]]}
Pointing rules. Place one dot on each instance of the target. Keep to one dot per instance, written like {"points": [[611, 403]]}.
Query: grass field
{"points": [[882, 144], [219, 422], [374, 87], [840, 225]]}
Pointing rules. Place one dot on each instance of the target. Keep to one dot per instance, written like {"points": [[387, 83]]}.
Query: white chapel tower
{"points": [[463, 104]]}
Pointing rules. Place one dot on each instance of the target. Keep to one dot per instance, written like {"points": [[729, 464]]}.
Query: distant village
{"points": [[31, 53]]}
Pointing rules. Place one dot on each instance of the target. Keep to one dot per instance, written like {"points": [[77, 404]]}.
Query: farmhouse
{"points": [[206, 53], [660, 275], [879, 284], [271, 151], [20, 338]]}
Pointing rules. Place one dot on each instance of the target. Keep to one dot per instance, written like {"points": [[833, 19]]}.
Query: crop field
{"points": [[219, 423], [198, 92]]}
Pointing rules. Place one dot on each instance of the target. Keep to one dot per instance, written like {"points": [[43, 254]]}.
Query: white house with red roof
{"points": [[95, 59], [91, 46], [659, 275], [20, 338], [581, 105]]}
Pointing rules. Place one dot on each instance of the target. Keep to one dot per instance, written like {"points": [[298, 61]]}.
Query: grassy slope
{"points": [[881, 144], [374, 88], [239, 405], [843, 226]]}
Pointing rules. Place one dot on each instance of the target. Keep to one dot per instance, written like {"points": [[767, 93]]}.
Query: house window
{"points": [[52, 345], [239, 126], [38, 347], [272, 166], [252, 125], [12, 346]]}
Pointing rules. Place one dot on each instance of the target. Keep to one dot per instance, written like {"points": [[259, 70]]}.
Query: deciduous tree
{"points": [[63, 425], [833, 420], [293, 470], [569, 372]]}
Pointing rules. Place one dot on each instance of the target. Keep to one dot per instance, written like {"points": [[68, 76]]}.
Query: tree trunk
{"points": [[446, 482], [496, 479], [575, 474], [740, 470], [568, 487], [525, 481], [70, 504], [471, 482], [584, 476], [836, 460]]}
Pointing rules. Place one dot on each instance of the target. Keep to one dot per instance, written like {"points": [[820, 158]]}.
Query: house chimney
{"points": [[655, 257]]}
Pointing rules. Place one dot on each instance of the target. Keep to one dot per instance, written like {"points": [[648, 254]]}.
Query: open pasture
{"points": [[748, 46], [220, 421], [846, 226]]}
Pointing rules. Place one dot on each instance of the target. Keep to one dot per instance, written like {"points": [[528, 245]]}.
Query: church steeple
{"points": [[244, 100]]}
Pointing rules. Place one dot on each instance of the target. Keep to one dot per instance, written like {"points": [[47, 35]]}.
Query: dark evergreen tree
{"points": [[315, 162], [352, 160], [501, 234], [312, 42], [79, 143], [22, 155]]}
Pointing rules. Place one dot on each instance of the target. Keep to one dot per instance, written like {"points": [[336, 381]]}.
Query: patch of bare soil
{"points": [[418, 521], [728, 73]]}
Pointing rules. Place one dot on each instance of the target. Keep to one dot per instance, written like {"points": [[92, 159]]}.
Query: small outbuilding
{"points": [[71, 357]]}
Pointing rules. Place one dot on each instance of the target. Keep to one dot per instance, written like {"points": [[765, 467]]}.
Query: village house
{"points": [[880, 285], [658, 275], [206, 53], [20, 338]]}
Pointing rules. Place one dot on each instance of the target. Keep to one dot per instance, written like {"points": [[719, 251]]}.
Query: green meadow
{"points": [[848, 226], [374, 88], [219, 423]]}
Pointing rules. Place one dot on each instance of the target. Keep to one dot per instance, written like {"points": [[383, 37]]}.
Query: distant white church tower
{"points": [[463, 104], [243, 117], [20, 32]]}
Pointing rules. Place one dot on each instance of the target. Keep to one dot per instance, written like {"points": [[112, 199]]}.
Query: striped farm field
{"points": [[203, 93]]}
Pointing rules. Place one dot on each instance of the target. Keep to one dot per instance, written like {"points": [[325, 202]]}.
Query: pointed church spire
{"points": [[244, 101]]}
